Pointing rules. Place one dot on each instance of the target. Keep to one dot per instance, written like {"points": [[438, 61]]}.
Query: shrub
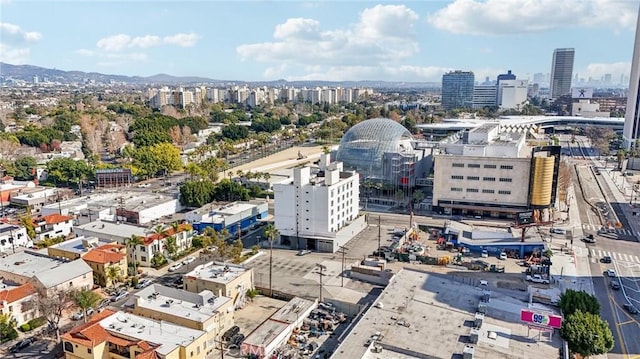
{"points": [[25, 327], [37, 322]]}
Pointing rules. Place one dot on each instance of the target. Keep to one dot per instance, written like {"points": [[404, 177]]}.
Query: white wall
{"points": [[20, 238], [163, 209]]}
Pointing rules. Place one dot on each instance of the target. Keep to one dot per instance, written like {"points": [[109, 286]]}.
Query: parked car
{"points": [[188, 260], [21, 345], [80, 314], [484, 254], [236, 341], [104, 303], [557, 231], [630, 308], [143, 283], [230, 333], [503, 256], [537, 278], [615, 285], [303, 252], [611, 272], [120, 295], [605, 259], [175, 267]]}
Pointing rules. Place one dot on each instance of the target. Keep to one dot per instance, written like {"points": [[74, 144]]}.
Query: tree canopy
{"points": [[587, 334], [199, 193], [572, 301], [68, 171]]}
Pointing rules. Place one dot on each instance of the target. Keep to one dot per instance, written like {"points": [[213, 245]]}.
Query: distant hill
{"points": [[27, 72]]}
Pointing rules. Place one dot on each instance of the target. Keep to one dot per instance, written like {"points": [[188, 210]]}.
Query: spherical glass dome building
{"points": [[379, 149]]}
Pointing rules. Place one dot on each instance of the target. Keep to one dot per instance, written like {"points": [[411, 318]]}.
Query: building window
{"points": [[506, 167], [473, 178], [488, 191], [505, 179], [68, 347], [143, 258], [504, 192], [456, 189], [457, 177], [457, 165], [474, 190], [489, 166], [89, 350], [473, 165], [492, 179]]}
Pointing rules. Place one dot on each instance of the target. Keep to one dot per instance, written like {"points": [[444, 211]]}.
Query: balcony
{"points": [[118, 352]]}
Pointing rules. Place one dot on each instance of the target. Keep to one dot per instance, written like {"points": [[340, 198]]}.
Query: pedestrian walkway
{"points": [[596, 254], [623, 231]]}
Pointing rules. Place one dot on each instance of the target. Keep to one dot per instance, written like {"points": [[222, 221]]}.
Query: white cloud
{"points": [[85, 52], [15, 43], [383, 35], [122, 42], [507, 17]]}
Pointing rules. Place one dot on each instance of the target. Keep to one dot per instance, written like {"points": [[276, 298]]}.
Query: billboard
{"points": [[582, 92], [524, 218], [533, 216], [541, 319]]}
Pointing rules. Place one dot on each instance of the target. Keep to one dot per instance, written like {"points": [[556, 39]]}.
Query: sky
{"points": [[322, 40]]}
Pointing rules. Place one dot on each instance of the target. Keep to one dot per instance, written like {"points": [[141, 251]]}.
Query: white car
{"points": [[144, 185], [485, 254], [175, 267], [188, 260], [143, 283], [611, 272]]}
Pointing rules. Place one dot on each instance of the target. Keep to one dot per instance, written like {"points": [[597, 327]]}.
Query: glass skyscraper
{"points": [[457, 89], [631, 132], [561, 72]]}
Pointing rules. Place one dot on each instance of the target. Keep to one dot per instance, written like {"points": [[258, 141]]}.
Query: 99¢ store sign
{"points": [[541, 319]]}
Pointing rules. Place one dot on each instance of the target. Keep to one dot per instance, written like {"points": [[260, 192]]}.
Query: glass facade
{"points": [[457, 89]]}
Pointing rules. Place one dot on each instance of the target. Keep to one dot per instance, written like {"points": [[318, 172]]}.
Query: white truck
{"points": [[537, 278]]}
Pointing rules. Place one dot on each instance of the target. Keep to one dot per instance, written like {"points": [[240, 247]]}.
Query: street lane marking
{"points": [[615, 319], [627, 322]]}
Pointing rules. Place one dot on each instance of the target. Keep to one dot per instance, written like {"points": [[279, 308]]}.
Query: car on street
{"points": [[557, 231], [611, 272], [615, 285], [104, 303], [120, 295], [605, 259], [589, 239], [188, 260], [537, 278], [630, 308], [21, 345], [80, 314], [303, 252], [175, 267], [503, 256], [143, 283]]}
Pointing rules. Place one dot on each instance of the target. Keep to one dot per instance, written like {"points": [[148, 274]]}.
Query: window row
{"points": [[477, 178], [476, 165], [475, 190]]}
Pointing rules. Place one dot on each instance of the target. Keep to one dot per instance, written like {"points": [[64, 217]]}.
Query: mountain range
{"points": [[28, 72]]}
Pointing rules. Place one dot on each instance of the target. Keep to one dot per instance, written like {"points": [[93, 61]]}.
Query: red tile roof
{"points": [[102, 255], [13, 294], [52, 219], [168, 232]]}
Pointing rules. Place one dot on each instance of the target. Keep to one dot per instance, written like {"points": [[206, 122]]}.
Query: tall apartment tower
{"points": [[561, 72], [631, 131], [457, 89]]}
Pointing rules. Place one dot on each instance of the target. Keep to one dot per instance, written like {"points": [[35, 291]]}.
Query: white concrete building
{"points": [[318, 208], [588, 109], [512, 94], [12, 236], [484, 96], [51, 226]]}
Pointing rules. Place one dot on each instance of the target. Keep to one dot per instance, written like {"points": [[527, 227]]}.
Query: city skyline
{"points": [[333, 41]]}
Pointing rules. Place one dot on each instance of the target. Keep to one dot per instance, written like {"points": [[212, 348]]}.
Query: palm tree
{"points": [[133, 242], [86, 299], [271, 232], [113, 273]]}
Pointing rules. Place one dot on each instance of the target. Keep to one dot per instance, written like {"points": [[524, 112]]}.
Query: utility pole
{"points": [[344, 249], [270, 266], [322, 267], [379, 237]]}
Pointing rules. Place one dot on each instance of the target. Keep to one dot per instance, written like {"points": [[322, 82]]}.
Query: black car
{"points": [[21, 345], [615, 285], [230, 333], [236, 341], [630, 308], [605, 259]]}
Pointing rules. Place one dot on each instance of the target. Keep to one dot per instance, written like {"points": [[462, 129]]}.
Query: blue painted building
{"points": [[232, 216]]}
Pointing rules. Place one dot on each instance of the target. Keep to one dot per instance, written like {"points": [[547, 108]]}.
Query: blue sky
{"points": [[322, 40]]}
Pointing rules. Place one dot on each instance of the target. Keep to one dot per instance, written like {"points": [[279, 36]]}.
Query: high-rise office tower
{"points": [[507, 76], [457, 89], [631, 131], [561, 72]]}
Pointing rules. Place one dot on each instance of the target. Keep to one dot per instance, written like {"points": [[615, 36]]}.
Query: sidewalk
{"points": [[619, 186]]}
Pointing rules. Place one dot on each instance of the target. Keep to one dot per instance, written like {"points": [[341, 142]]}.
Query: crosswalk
{"points": [[596, 254], [622, 231]]}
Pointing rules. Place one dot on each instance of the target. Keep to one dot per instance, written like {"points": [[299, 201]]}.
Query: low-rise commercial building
{"points": [[222, 279], [112, 334], [233, 217], [45, 272], [76, 247], [201, 311], [276, 330]]}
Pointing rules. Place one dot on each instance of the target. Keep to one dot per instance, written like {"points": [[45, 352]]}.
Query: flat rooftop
{"points": [[132, 201], [440, 312], [169, 336], [108, 230], [216, 272], [266, 333], [76, 245], [292, 311], [197, 307], [26, 264]]}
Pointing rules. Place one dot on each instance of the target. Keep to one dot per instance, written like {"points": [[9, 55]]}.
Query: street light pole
{"points": [[322, 267], [344, 249], [270, 266]]}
